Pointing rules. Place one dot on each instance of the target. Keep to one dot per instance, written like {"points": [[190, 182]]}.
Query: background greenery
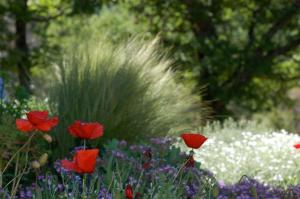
{"points": [[241, 56]]}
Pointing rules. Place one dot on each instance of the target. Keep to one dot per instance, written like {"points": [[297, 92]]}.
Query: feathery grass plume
{"points": [[129, 88]]}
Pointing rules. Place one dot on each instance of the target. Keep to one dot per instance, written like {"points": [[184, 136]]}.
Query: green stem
{"points": [[17, 152], [110, 184], [182, 166], [138, 183], [84, 189], [84, 144]]}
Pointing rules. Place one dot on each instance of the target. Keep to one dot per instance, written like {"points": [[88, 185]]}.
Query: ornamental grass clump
{"points": [[129, 88]]}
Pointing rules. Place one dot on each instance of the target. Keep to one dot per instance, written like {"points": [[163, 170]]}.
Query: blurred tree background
{"points": [[243, 55]]}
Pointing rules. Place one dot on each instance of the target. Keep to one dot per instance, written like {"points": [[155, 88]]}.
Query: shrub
{"points": [[121, 164], [129, 89]]}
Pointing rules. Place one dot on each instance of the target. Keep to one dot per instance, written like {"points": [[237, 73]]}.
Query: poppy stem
{"points": [[84, 189], [138, 183], [110, 184], [182, 166], [17, 152], [84, 144]]}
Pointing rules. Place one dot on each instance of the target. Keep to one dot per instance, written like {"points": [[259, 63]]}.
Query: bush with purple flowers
{"points": [[153, 170]]}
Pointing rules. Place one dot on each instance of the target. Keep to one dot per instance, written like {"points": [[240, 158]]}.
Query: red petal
{"points": [[75, 129], [297, 146], [37, 117], [86, 160], [70, 166], [86, 130], [193, 140], [92, 130], [24, 125], [128, 192], [47, 125]]}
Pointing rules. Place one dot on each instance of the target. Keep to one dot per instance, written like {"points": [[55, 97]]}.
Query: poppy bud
{"points": [[146, 165], [128, 192], [43, 159], [35, 164], [48, 138], [190, 162]]}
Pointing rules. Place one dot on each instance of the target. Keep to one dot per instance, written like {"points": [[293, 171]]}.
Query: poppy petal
{"points": [[86, 160], [74, 129], [37, 117], [24, 125], [47, 125], [86, 130], [92, 130], [297, 146], [70, 166], [193, 140], [128, 192]]}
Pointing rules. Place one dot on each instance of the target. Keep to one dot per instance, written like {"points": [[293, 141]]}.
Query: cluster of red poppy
{"points": [[36, 121], [84, 160]]}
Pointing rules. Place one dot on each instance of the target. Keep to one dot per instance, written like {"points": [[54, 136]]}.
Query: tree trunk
{"points": [[23, 62]]}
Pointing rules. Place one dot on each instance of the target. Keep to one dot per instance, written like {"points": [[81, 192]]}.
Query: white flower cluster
{"points": [[268, 157]]}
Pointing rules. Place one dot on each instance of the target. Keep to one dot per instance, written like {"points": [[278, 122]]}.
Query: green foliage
{"points": [[14, 109], [10, 137], [279, 118], [220, 45], [113, 23], [230, 128], [128, 88], [244, 52]]}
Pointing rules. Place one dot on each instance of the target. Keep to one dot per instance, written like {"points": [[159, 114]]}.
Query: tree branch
{"points": [[283, 49], [282, 21], [47, 18]]}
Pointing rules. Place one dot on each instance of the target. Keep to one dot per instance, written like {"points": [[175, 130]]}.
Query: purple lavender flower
{"points": [[122, 144], [191, 190], [250, 188], [104, 194], [163, 141], [167, 169], [118, 154], [132, 181]]}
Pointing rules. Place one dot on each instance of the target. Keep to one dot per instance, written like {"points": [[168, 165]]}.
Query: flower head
{"points": [[193, 140], [297, 146], [84, 161], [86, 130], [36, 120], [128, 192]]}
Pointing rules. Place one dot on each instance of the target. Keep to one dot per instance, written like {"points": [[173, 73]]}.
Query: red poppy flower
{"points": [[84, 161], [128, 192], [36, 120], [297, 146], [86, 130], [193, 140]]}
